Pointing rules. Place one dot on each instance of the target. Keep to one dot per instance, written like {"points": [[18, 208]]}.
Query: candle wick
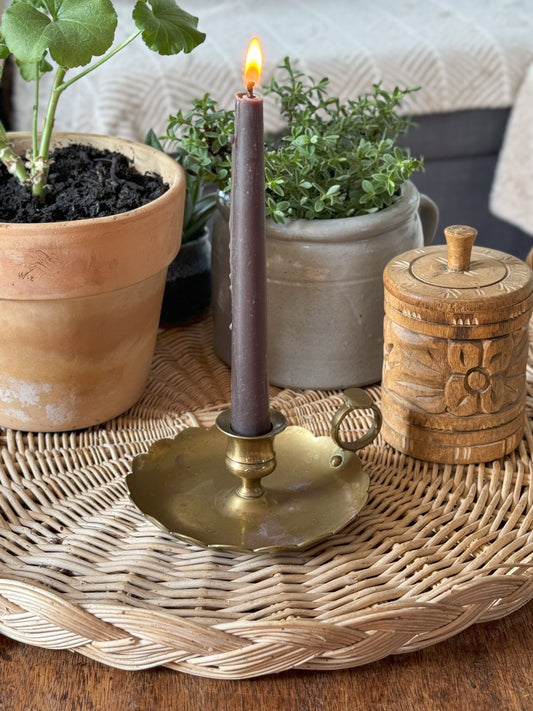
{"points": [[250, 89]]}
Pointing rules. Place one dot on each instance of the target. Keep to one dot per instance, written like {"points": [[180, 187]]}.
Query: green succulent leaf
{"points": [[152, 140], [74, 32], [166, 28]]}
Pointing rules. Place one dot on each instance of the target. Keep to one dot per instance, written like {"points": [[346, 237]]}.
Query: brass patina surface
{"points": [[206, 485]]}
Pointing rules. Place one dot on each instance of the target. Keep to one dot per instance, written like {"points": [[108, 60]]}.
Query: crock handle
{"points": [[356, 399], [429, 217]]}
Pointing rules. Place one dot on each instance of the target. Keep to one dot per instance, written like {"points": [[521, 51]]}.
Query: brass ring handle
{"points": [[356, 399]]}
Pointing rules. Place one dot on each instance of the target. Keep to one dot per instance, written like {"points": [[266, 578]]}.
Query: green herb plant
{"points": [[203, 149], [60, 35], [334, 159]]}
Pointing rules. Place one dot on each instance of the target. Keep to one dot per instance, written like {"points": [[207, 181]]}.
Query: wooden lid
{"points": [[459, 284]]}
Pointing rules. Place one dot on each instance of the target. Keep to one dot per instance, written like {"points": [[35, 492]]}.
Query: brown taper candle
{"points": [[249, 377]]}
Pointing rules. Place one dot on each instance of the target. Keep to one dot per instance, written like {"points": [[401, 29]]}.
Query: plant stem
{"points": [[100, 61], [9, 158], [35, 110], [40, 161]]}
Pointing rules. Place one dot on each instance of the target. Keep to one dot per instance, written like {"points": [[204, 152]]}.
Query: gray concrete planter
{"points": [[325, 291]]}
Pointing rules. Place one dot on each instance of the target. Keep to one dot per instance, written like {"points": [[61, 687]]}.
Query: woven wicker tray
{"points": [[436, 548]]}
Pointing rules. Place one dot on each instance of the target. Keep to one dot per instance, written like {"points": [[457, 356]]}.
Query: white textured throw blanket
{"points": [[465, 54], [512, 189]]}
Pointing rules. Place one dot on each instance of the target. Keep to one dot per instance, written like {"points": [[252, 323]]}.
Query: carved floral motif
{"points": [[462, 378], [477, 381]]}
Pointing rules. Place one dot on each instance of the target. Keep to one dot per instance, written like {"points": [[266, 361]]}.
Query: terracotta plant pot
{"points": [[325, 291], [80, 302]]}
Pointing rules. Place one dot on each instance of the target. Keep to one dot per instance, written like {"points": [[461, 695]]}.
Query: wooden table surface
{"points": [[488, 667]]}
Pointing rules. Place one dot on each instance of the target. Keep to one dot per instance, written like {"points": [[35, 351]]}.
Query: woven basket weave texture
{"points": [[436, 549]]}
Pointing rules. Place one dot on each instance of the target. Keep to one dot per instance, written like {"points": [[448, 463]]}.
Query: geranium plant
{"points": [[334, 159], [62, 35]]}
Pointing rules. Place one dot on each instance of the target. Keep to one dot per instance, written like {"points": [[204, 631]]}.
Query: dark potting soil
{"points": [[84, 182]]}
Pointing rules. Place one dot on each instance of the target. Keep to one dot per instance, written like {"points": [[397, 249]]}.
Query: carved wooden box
{"points": [[455, 351]]}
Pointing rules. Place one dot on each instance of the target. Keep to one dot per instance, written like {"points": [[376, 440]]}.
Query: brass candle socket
{"points": [[251, 458], [283, 490]]}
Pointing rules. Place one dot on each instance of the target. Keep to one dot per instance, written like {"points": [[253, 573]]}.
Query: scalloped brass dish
{"points": [[316, 485]]}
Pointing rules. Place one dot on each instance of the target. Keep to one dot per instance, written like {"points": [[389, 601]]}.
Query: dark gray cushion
{"points": [[460, 152]]}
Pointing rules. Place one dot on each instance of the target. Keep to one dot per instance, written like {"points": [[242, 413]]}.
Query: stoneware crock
{"points": [[325, 290]]}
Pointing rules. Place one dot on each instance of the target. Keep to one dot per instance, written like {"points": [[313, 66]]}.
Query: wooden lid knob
{"points": [[459, 239]]}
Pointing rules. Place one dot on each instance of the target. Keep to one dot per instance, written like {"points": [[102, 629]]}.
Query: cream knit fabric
{"points": [[464, 54], [512, 189]]}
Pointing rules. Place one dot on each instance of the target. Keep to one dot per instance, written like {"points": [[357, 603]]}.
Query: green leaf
{"points": [[166, 28], [4, 51], [81, 31], [73, 34], [152, 140], [24, 30], [28, 70], [48, 5]]}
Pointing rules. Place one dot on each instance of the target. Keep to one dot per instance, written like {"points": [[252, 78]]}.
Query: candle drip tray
{"points": [[317, 485]]}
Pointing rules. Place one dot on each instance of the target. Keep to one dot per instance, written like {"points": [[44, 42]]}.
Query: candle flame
{"points": [[253, 63]]}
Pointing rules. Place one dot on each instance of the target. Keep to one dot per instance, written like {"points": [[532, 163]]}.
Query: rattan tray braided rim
{"points": [[436, 549]]}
